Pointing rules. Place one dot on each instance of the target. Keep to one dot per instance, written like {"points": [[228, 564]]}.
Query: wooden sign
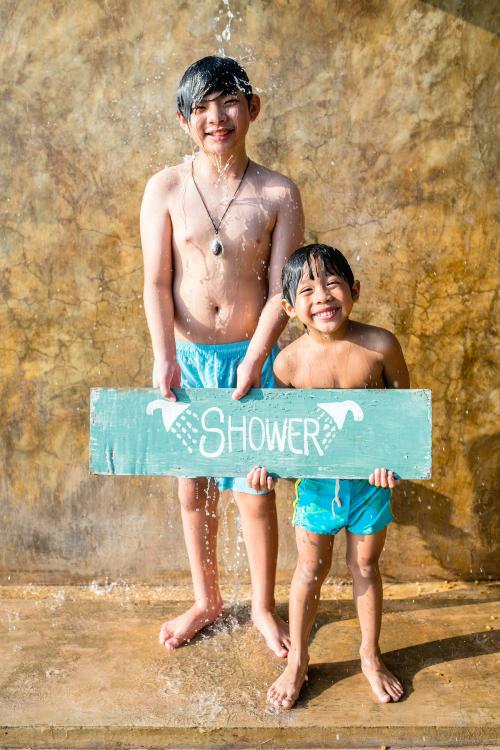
{"points": [[293, 433]]}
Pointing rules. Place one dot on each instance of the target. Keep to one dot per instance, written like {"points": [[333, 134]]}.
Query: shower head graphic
{"points": [[176, 419], [170, 411], [339, 411]]}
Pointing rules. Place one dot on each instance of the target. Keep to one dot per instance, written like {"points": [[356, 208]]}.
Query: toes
{"points": [[383, 697], [171, 643], [163, 636], [396, 691], [273, 696]]}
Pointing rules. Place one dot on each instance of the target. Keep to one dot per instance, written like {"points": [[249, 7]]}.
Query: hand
{"points": [[247, 376], [259, 479], [382, 478], [167, 375]]}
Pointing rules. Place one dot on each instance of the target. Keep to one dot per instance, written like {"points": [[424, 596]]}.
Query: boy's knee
{"points": [[195, 497], [312, 572], [363, 568]]}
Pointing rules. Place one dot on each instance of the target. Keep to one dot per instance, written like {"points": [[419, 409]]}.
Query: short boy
{"points": [[216, 232], [335, 352]]}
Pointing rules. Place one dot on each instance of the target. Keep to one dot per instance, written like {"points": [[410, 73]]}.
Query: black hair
{"points": [[211, 75], [332, 259]]}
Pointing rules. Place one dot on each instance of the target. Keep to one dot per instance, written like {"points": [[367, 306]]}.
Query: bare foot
{"points": [[274, 630], [384, 684], [285, 690], [175, 632]]}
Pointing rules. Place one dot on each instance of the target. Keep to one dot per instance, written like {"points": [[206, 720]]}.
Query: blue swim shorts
{"points": [[324, 506], [214, 366]]}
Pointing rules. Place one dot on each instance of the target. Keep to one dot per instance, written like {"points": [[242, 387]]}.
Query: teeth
{"points": [[325, 314]]}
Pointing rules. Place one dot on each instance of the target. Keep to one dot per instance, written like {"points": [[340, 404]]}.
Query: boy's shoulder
{"points": [[167, 178], [288, 360], [373, 337], [273, 181]]}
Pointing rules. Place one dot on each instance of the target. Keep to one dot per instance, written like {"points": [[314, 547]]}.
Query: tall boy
{"points": [[335, 352], [216, 232]]}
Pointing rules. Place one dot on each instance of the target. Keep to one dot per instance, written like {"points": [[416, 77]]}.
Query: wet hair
{"points": [[293, 270], [211, 75]]}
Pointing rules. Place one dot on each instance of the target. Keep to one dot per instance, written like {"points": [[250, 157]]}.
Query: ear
{"points": [[355, 289], [288, 308], [254, 107], [182, 122]]}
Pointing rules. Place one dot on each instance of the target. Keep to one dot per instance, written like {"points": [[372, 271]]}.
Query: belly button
{"points": [[217, 310]]}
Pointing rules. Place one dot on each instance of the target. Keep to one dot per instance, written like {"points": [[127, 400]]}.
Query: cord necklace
{"points": [[217, 247]]}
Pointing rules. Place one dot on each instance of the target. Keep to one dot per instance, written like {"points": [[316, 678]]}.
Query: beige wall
{"points": [[384, 112]]}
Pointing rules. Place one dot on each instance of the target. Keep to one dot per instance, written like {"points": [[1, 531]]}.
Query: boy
{"points": [[335, 352], [216, 232]]}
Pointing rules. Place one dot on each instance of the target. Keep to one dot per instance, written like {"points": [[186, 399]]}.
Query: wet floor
{"points": [[82, 665]]}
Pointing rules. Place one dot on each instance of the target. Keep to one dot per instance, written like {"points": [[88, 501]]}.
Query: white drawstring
{"points": [[336, 500]]}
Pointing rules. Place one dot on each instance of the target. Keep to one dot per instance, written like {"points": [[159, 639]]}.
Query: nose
{"points": [[321, 291], [216, 112]]}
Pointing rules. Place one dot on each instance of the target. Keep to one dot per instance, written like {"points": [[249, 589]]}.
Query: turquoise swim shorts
{"points": [[214, 366], [324, 506]]}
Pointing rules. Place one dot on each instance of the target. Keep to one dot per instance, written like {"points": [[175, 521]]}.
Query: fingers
{"points": [[259, 479], [382, 478], [166, 376], [242, 388], [166, 392], [246, 378]]}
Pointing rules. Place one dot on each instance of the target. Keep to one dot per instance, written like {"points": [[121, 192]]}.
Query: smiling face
{"points": [[219, 122], [323, 301]]}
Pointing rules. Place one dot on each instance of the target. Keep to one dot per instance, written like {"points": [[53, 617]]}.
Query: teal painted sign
{"points": [[313, 433]]}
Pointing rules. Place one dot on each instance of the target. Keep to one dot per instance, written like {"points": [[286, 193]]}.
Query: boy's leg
{"points": [[313, 564], [198, 498], [260, 531], [363, 552]]}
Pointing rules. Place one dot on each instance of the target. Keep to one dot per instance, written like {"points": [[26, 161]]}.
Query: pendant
{"points": [[217, 247]]}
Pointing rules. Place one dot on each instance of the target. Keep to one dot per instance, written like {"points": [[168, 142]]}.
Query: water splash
{"points": [[225, 34], [233, 551], [104, 588]]}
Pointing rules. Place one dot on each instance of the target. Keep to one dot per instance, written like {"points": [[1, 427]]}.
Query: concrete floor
{"points": [[81, 668]]}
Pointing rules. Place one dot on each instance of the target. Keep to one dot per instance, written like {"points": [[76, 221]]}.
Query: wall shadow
{"points": [[481, 13], [484, 464], [431, 512], [404, 662], [463, 552]]}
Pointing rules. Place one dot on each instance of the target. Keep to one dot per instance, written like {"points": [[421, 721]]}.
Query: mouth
{"points": [[219, 135], [327, 314]]}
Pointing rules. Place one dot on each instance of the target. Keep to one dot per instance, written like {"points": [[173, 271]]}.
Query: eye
{"points": [[332, 282], [305, 290]]}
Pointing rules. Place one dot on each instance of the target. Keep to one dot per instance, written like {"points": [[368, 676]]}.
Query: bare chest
{"points": [[242, 224], [351, 367]]}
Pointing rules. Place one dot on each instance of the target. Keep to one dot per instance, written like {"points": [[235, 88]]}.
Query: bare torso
{"points": [[218, 299], [356, 361]]}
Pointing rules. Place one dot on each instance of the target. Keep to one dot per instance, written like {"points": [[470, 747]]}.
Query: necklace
{"points": [[217, 247]]}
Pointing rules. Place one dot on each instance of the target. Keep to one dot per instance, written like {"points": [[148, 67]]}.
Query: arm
{"points": [[156, 238], [288, 234], [258, 477], [395, 372], [395, 375]]}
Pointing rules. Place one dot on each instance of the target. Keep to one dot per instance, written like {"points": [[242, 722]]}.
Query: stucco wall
{"points": [[383, 112]]}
